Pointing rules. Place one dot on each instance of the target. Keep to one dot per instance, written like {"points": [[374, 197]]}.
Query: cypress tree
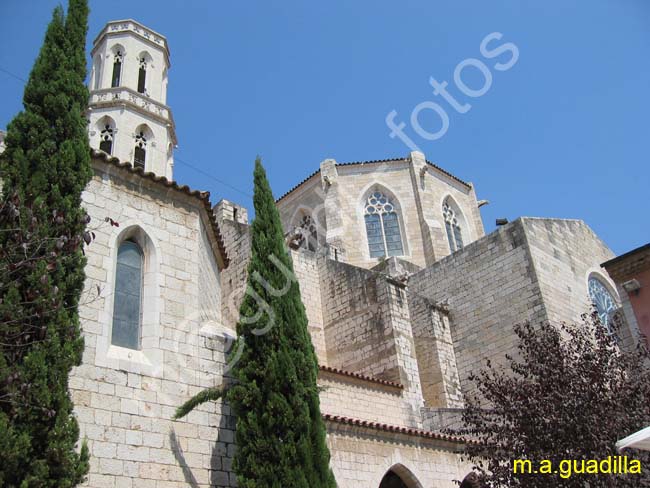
{"points": [[44, 169], [280, 434]]}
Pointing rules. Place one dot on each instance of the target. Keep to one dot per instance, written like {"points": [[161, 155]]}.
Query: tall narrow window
{"points": [[142, 75], [106, 139], [382, 227], [140, 153], [127, 308], [454, 231], [117, 69], [602, 300], [309, 233]]}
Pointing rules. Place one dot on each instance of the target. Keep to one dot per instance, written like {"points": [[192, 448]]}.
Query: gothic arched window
{"points": [[382, 226], [309, 233], [140, 153], [142, 75], [117, 69], [106, 139], [602, 300], [453, 228], [127, 306]]}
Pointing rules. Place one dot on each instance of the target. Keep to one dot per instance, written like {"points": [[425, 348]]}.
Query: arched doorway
{"points": [[471, 481], [399, 476], [391, 480]]}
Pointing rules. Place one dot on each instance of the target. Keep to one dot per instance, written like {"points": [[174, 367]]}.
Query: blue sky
{"points": [[563, 133]]}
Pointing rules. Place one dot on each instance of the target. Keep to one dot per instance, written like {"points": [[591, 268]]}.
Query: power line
{"points": [[176, 158], [212, 177], [12, 75]]}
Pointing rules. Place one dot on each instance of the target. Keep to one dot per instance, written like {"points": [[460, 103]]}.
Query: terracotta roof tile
{"points": [[360, 376], [394, 428], [202, 196]]}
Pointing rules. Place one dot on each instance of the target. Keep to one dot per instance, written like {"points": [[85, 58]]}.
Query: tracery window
{"points": [[452, 225], [106, 139], [117, 69], [602, 300], [382, 227], [309, 233], [140, 154], [127, 306], [142, 75]]}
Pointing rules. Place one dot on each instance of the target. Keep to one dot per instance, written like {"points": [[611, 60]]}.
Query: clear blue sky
{"points": [[563, 133]]}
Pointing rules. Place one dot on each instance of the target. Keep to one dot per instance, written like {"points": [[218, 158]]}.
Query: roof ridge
{"points": [[202, 196], [372, 161]]}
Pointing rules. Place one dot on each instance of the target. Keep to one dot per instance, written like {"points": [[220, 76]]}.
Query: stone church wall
{"points": [[529, 270], [488, 286], [361, 457], [565, 254], [124, 399], [306, 268], [363, 400]]}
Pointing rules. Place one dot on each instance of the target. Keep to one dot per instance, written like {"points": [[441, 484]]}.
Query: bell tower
{"points": [[128, 112]]}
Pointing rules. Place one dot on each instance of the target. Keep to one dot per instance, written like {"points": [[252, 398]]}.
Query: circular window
{"points": [[602, 300]]}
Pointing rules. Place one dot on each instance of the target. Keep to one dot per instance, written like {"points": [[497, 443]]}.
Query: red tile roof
{"points": [[360, 376], [202, 196], [395, 428]]}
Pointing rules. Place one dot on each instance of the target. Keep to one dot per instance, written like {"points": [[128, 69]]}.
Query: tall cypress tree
{"points": [[280, 434], [44, 169]]}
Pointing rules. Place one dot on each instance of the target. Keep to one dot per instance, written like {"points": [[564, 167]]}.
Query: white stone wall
{"points": [[307, 270], [126, 108], [529, 270], [127, 120], [352, 397], [134, 41], [361, 457], [565, 253], [125, 399], [419, 189]]}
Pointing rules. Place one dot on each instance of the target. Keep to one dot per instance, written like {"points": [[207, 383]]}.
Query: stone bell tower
{"points": [[128, 114]]}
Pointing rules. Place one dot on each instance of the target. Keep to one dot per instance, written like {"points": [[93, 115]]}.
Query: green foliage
{"points": [[207, 395], [280, 433], [44, 169], [569, 395]]}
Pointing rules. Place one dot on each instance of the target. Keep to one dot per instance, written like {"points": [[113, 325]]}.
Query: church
{"points": [[405, 293]]}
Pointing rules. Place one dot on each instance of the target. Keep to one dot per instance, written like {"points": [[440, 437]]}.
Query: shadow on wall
{"points": [[220, 456], [180, 457]]}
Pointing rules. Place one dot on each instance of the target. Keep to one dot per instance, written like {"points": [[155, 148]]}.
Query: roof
{"points": [[630, 262], [363, 377], [428, 434], [375, 161], [202, 196]]}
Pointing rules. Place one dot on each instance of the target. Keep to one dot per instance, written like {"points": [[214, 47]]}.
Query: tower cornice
{"points": [[124, 96], [147, 35]]}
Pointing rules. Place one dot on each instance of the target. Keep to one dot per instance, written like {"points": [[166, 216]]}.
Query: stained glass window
{"points": [[382, 227], [127, 308], [602, 300], [452, 226]]}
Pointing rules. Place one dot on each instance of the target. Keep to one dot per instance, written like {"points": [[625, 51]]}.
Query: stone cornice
{"points": [[148, 35], [122, 95]]}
